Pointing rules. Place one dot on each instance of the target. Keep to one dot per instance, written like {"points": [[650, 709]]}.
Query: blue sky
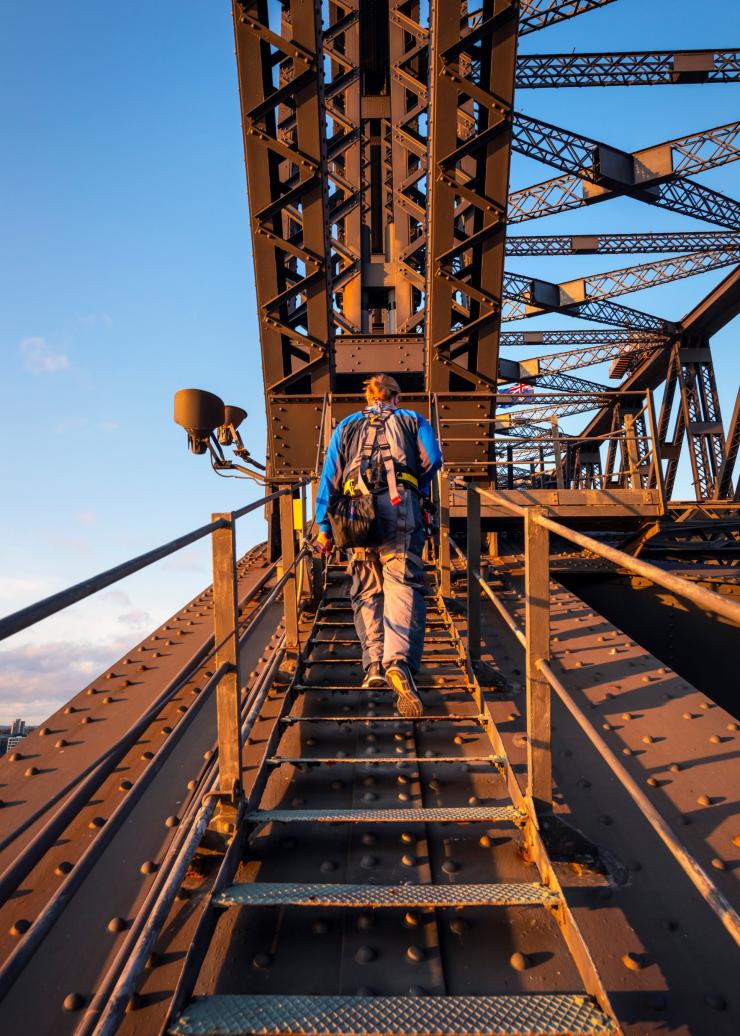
{"points": [[126, 274]]}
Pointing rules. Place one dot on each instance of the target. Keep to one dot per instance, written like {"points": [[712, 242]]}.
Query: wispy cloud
{"points": [[73, 544], [97, 320], [40, 358], [88, 517], [35, 679], [136, 619]]}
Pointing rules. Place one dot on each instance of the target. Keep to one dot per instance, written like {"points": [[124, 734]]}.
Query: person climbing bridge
{"points": [[383, 457]]}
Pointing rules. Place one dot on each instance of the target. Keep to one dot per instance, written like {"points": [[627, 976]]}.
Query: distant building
{"points": [[18, 729], [13, 741]]}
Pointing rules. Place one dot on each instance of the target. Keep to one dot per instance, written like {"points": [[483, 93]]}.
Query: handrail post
{"points": [[537, 617], [473, 568], [290, 592], [444, 534], [226, 634]]}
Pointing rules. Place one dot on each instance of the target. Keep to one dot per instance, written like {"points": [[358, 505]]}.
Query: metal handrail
{"points": [[33, 613], [698, 595], [693, 870]]}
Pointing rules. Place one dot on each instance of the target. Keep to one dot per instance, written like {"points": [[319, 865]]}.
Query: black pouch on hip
{"points": [[354, 521]]}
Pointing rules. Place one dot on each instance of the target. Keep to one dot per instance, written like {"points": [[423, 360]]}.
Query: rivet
{"points": [[485, 841], [148, 867], [117, 924], [365, 955], [633, 961], [107, 700], [73, 1001], [519, 961], [61, 743], [411, 919], [262, 961], [675, 767], [69, 710], [20, 927], [125, 785], [365, 922], [85, 720], [64, 867], [704, 800], [415, 954], [31, 771], [320, 927], [652, 781], [327, 866], [408, 860], [15, 757], [450, 867], [147, 755], [715, 739], [368, 861], [172, 821], [458, 925], [718, 864], [97, 822], [44, 732]]}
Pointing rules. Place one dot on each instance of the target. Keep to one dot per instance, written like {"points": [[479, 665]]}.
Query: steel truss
{"points": [[378, 140], [636, 68]]}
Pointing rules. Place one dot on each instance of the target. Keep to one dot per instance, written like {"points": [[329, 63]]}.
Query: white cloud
{"points": [[97, 320], [40, 358], [36, 679], [137, 618]]}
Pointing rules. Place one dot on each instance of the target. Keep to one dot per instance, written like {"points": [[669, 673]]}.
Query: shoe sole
{"points": [[408, 701], [375, 681]]}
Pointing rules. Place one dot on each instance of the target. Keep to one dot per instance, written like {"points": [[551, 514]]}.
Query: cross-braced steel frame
{"points": [[378, 140]]}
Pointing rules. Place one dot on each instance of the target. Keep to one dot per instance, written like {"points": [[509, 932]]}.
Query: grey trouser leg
{"points": [[366, 594], [388, 587]]}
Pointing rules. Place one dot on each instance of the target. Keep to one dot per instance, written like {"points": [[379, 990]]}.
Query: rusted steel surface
{"points": [[155, 779], [666, 958]]}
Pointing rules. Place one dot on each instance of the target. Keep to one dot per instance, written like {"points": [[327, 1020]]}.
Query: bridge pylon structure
{"points": [[224, 833]]}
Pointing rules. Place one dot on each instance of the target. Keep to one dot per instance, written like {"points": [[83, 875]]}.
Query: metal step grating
{"points": [[435, 815], [518, 1015], [386, 896], [442, 717], [385, 760]]}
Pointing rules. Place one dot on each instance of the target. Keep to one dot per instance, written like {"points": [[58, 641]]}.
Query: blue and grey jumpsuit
{"points": [[387, 590]]}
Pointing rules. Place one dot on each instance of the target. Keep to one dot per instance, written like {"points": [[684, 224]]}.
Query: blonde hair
{"points": [[381, 388]]}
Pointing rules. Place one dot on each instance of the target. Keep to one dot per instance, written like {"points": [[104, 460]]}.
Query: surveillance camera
{"points": [[233, 417], [200, 414]]}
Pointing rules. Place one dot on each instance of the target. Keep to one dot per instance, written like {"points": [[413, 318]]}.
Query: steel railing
{"points": [[539, 674]]}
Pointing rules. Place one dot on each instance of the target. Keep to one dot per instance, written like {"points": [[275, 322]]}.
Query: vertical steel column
{"points": [[225, 631], [559, 480], [290, 593], [443, 483], [537, 616], [656, 470], [473, 567], [632, 459]]}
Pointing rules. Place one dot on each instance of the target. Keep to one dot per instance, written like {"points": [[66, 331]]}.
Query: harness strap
{"points": [[375, 432]]}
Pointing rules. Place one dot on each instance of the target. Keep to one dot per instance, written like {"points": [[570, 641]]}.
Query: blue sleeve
{"points": [[429, 452], [331, 475]]}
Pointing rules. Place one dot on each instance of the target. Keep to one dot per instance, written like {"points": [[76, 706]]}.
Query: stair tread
{"points": [[368, 760], [374, 896], [554, 1014], [452, 815]]}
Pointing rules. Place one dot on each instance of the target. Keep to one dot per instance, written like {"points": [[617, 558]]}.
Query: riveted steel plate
{"points": [[374, 896], [390, 760], [535, 1015]]}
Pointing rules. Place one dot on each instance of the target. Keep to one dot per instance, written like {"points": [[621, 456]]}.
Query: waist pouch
{"points": [[354, 521]]}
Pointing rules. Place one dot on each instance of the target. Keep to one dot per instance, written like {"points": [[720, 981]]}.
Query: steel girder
{"points": [[471, 93], [636, 68], [281, 89], [595, 172], [621, 244]]}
